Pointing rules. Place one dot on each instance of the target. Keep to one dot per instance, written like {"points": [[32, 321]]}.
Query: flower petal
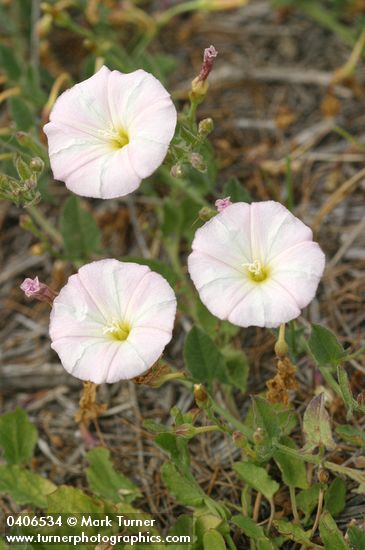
{"points": [[84, 106], [274, 229], [299, 270], [227, 236], [87, 123], [267, 305], [145, 156], [147, 124], [101, 295], [255, 264]]}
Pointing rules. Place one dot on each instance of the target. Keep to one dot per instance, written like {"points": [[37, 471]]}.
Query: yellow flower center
{"points": [[116, 138], [118, 330], [256, 271]]}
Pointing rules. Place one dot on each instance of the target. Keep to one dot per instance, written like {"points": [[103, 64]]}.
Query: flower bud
{"points": [[37, 249], [239, 439], [25, 222], [33, 288], [208, 61], [206, 213], [206, 126], [199, 85], [221, 204], [201, 396], [44, 25], [177, 171], [199, 90], [258, 436], [30, 184], [359, 462], [323, 475], [36, 164], [185, 430], [197, 162], [22, 168], [361, 398]]}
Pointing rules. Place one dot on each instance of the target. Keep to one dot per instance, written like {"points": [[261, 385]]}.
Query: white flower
{"points": [[112, 320], [255, 264], [109, 132]]}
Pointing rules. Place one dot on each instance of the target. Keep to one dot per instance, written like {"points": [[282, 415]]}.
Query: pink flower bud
{"points": [[32, 288], [208, 61], [221, 204]]}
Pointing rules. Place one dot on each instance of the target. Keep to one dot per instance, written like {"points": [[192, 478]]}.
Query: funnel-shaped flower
{"points": [[109, 132], [112, 320], [255, 264]]}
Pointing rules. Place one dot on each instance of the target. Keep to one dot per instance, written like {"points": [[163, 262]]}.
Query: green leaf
{"points": [[24, 486], [213, 540], [105, 482], [293, 469], [254, 531], [185, 490], [155, 427], [346, 392], [79, 230], [351, 435], [21, 113], [176, 447], [171, 220], [275, 419], [324, 346], [202, 357], [205, 522], [154, 265], [3, 546], [307, 500], [256, 477], [18, 437], [208, 322], [183, 526], [293, 532], [356, 538], [330, 534], [317, 425], [234, 189], [9, 62], [335, 498], [265, 417], [68, 500]]}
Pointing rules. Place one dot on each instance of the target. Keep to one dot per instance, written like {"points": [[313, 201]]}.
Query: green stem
{"points": [[230, 542], [178, 9], [192, 111], [204, 429], [306, 457], [349, 472], [182, 185], [356, 354], [293, 501], [40, 219], [345, 134], [330, 380], [231, 419]]}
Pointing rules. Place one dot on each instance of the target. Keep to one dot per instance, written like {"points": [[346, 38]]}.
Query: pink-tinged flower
{"points": [[112, 320], [208, 61], [255, 264], [221, 204], [109, 132], [30, 287], [33, 288]]}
